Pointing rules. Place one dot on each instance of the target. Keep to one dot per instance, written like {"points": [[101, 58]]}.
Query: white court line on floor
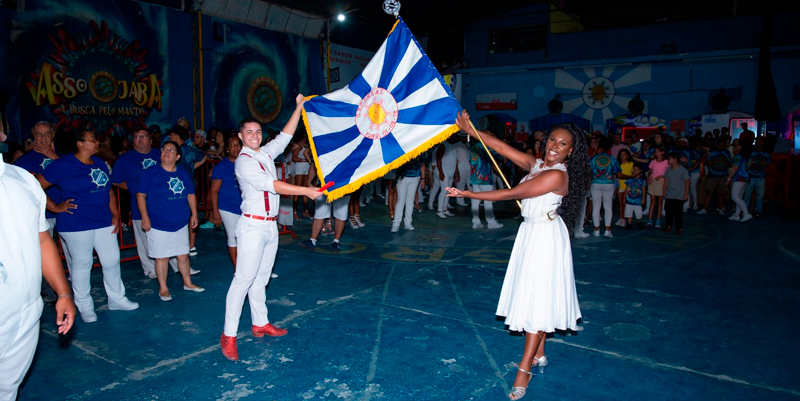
{"points": [[79, 345], [373, 363], [786, 251]]}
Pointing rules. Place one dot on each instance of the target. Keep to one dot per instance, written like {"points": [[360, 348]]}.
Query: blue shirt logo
{"points": [[147, 163], [99, 177], [175, 185], [45, 162]]}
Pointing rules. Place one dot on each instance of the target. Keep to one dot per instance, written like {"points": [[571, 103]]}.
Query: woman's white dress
{"points": [[539, 288]]}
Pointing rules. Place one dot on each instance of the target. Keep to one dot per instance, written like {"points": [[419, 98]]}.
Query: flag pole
{"points": [[488, 152]]}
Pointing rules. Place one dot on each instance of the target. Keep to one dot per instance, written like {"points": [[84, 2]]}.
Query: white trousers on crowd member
{"points": [[406, 190], [17, 345], [488, 209], [462, 184], [257, 242], [148, 263], [578, 228], [435, 186], [80, 245], [229, 221], [602, 194], [737, 196], [447, 182], [694, 179]]}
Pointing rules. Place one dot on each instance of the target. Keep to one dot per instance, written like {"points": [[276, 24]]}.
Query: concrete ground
{"points": [[708, 315]]}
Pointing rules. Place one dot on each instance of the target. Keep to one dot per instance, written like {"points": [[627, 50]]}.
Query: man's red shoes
{"points": [[228, 345], [269, 330]]}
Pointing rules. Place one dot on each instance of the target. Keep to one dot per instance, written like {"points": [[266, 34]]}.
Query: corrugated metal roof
{"points": [[266, 15]]}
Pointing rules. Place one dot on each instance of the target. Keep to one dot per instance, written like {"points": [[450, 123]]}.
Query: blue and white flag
{"points": [[397, 108]]}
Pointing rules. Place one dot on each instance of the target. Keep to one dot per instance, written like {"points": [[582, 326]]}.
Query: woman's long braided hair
{"points": [[578, 171]]}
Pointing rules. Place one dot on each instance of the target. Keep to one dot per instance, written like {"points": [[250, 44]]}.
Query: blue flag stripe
{"points": [[325, 144], [343, 172], [325, 107], [438, 112], [359, 86], [391, 149], [396, 46], [419, 76]]}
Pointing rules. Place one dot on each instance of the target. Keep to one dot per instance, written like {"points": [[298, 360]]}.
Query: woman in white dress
{"points": [[538, 294]]}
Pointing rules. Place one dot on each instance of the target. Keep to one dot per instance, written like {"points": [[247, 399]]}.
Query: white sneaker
{"points": [[448, 213], [622, 223], [449, 206], [430, 206], [88, 316], [358, 221], [596, 233], [721, 212], [409, 227], [395, 228], [193, 251], [124, 304], [702, 211], [150, 275], [734, 218], [441, 215], [581, 234], [493, 225], [746, 217], [608, 234], [477, 225], [619, 223], [273, 275], [192, 272]]}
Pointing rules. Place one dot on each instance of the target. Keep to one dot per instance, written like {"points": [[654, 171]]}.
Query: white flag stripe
{"points": [[345, 96], [328, 125], [409, 136], [374, 158], [329, 161], [411, 56], [424, 95], [372, 72]]}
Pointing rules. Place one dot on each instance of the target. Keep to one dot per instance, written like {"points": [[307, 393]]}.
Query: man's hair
{"points": [[181, 131], [246, 121], [47, 123], [674, 155], [140, 128]]}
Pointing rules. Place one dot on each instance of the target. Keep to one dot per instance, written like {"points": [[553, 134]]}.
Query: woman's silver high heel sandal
{"points": [[540, 362], [519, 392]]}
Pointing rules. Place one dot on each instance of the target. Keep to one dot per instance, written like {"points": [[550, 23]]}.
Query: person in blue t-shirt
{"points": [[635, 188], [167, 202], [757, 170], [604, 173], [190, 160], [481, 179], [718, 162], [128, 170], [226, 197], [738, 179], [38, 159], [87, 219]]}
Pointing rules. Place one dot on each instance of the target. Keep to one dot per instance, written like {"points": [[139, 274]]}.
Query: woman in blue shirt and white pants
{"points": [[87, 219]]}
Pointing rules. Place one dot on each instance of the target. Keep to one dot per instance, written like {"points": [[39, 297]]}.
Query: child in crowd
{"points": [[676, 192], [655, 185], [634, 197]]}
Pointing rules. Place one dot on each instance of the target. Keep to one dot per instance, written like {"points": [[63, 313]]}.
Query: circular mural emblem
{"points": [[377, 114], [264, 99], [598, 92], [103, 86]]}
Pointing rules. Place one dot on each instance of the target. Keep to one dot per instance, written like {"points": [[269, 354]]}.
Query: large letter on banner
{"points": [[397, 108]]}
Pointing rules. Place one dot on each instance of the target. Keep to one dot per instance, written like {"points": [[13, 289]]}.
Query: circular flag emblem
{"points": [[377, 114], [264, 99]]}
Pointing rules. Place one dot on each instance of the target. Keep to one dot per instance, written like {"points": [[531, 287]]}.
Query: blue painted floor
{"points": [[709, 315]]}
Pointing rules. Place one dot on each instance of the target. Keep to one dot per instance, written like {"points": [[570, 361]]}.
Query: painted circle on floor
{"points": [[627, 332]]}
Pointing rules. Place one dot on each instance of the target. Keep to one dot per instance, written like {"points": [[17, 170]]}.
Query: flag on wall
{"points": [[397, 108]]}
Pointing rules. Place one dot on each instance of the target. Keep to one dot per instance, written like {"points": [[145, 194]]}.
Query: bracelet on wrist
{"points": [[65, 295]]}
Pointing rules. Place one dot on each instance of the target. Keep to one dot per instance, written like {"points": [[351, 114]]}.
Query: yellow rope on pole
{"points": [[488, 152]]}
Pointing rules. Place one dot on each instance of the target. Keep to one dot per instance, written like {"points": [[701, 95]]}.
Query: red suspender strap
{"points": [[266, 195]]}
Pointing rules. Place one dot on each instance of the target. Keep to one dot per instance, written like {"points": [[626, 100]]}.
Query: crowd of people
{"points": [[655, 181]]}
